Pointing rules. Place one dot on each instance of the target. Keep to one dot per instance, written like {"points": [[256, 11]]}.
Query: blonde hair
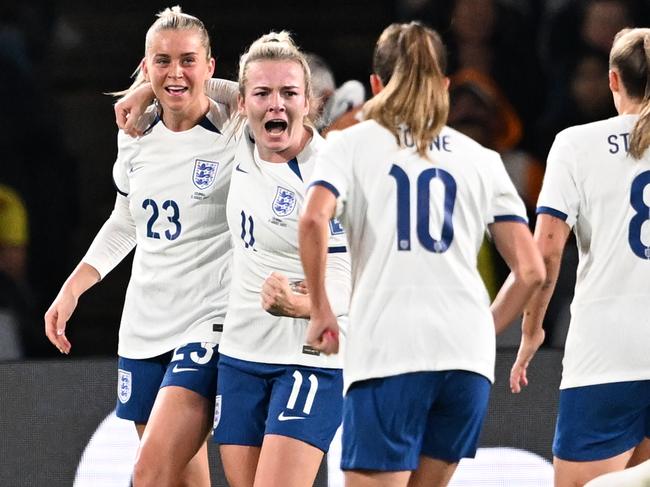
{"points": [[630, 55], [169, 19], [276, 46], [410, 60]]}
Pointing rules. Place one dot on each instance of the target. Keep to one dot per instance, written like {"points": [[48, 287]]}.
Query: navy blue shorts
{"points": [[192, 366], [601, 421], [255, 399], [388, 423]]}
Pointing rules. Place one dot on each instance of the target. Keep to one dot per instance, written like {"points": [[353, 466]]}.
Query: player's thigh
{"points": [[306, 404], [432, 473], [601, 421], [641, 453], [570, 473], [183, 410], [365, 478], [638, 476], [384, 420], [287, 461], [178, 426], [239, 464], [138, 382]]}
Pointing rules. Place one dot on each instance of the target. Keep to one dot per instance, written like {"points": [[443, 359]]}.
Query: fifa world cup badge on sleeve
{"points": [[217, 411], [204, 173], [123, 385], [284, 201]]}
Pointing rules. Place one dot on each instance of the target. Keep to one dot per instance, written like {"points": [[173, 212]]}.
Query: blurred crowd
{"points": [[520, 71]]}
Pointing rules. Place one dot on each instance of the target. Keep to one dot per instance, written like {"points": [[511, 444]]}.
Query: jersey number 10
{"points": [[422, 210]]}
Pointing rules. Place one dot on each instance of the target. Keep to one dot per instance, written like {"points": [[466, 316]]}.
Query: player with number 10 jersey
{"points": [[414, 231]]}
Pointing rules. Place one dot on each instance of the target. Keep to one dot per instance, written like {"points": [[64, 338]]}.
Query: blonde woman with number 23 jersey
{"points": [[172, 186]]}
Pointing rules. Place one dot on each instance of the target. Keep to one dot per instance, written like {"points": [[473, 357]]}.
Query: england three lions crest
{"points": [[123, 385], [204, 173], [284, 201]]}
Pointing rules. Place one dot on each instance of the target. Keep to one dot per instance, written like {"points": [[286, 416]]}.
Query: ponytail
{"points": [[640, 136], [410, 60], [630, 55]]}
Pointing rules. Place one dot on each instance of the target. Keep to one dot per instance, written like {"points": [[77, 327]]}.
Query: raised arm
{"points": [[313, 238], [551, 234], [223, 91], [134, 112]]}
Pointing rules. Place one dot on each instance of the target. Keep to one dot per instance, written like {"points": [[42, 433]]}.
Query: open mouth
{"points": [[276, 127], [176, 90]]}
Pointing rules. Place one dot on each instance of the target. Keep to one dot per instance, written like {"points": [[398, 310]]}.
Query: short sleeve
{"points": [[559, 196], [333, 169], [506, 204]]}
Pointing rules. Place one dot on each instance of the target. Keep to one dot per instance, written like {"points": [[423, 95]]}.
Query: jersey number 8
{"points": [[641, 216]]}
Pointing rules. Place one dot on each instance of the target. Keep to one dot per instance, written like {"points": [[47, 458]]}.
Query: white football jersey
{"points": [[414, 229], [604, 195], [176, 184], [263, 210]]}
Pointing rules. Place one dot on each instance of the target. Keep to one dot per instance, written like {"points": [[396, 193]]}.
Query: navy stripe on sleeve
{"points": [[326, 185], [510, 218], [552, 211], [337, 250]]}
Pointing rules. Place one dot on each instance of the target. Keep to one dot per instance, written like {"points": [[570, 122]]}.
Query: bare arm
{"points": [[515, 244], [313, 237], [551, 234], [113, 242], [82, 278]]}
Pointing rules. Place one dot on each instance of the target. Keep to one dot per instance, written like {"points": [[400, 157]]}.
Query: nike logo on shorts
{"points": [[282, 417], [183, 369]]}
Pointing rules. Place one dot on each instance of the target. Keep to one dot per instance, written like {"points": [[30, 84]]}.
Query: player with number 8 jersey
{"points": [[608, 220], [597, 183]]}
